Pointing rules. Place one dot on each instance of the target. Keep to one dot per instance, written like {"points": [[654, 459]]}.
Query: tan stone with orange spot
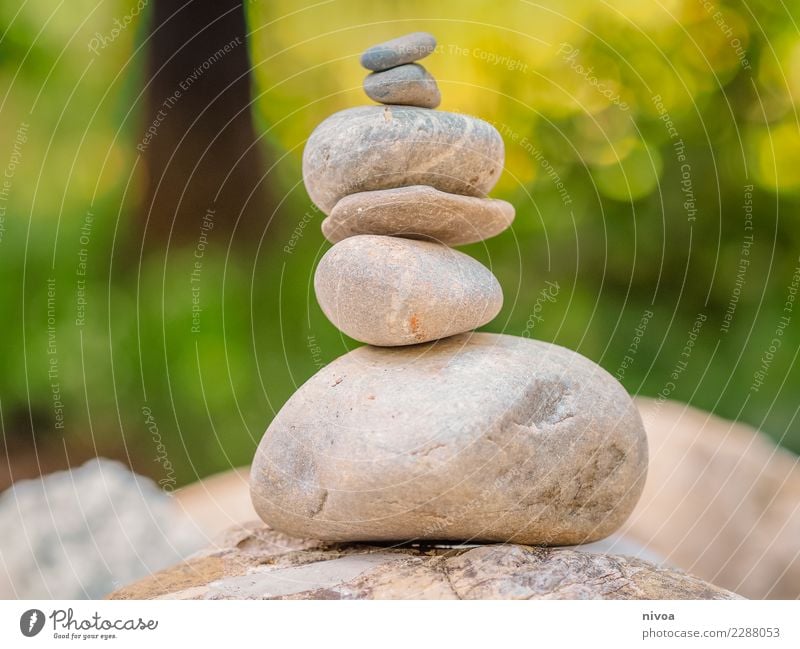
{"points": [[390, 291]]}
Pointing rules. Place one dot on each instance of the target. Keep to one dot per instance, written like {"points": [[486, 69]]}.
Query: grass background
{"points": [[627, 242]]}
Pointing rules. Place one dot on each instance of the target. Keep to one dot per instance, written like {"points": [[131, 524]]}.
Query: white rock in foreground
{"points": [[80, 533]]}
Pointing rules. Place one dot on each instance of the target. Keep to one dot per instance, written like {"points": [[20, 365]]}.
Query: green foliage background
{"points": [[617, 235]]}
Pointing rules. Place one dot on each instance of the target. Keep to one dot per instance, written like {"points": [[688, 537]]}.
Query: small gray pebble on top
{"points": [[404, 49]]}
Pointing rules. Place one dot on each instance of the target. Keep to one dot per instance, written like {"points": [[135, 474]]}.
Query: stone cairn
{"points": [[432, 432]]}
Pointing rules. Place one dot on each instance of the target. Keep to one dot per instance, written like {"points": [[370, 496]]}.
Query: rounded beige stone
{"points": [[390, 291], [380, 147], [479, 437], [418, 212]]}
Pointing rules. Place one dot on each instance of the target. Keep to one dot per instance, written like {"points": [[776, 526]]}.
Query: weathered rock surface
{"points": [[254, 562], [722, 500], [392, 291], [408, 85], [478, 437], [404, 49], [380, 147], [418, 212]]}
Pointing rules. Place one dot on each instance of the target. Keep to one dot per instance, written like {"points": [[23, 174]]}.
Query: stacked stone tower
{"points": [[432, 431]]}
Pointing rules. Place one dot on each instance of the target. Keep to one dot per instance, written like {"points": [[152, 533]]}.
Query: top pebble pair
{"points": [[396, 78], [402, 168]]}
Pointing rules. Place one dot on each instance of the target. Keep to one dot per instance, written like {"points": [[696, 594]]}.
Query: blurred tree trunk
{"points": [[199, 145]]}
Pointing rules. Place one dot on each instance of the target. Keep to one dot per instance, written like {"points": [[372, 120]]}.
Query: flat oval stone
{"points": [[418, 212], [478, 437], [380, 147], [409, 85], [391, 291], [404, 49]]}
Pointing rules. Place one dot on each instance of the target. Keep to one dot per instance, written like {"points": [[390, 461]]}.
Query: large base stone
{"points": [[475, 438]]}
